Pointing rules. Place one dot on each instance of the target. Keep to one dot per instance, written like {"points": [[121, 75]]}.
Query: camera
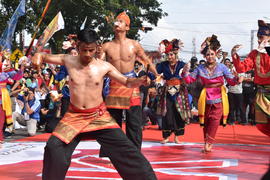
{"points": [[26, 93]]}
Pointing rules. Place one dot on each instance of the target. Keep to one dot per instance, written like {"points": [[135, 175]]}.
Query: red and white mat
{"points": [[22, 160]]}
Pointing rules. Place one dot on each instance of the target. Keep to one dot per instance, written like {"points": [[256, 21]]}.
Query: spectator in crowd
{"points": [[29, 115], [65, 100], [41, 94], [202, 61], [138, 67], [194, 89], [32, 81], [51, 109], [249, 93], [193, 63], [150, 110], [235, 95]]}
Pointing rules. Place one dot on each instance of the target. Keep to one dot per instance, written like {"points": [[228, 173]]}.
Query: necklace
{"points": [[172, 68], [211, 68]]}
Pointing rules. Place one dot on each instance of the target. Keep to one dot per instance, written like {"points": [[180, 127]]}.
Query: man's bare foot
{"points": [[176, 140], [164, 141]]}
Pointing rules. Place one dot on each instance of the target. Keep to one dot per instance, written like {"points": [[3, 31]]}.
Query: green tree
{"points": [[75, 11]]}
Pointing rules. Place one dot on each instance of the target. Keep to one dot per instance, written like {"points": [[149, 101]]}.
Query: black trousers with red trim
{"points": [[126, 158]]}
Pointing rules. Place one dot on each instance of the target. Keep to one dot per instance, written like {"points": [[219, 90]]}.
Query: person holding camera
{"points": [[29, 115]]}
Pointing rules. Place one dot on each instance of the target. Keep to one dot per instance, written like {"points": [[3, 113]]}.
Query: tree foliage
{"points": [[75, 11]]}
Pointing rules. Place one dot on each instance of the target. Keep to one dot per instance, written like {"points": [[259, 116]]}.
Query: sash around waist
{"points": [[263, 89], [73, 108], [3, 85], [215, 85], [173, 82]]}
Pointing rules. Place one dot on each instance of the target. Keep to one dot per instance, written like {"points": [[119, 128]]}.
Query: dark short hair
{"points": [[194, 59], [202, 61], [70, 49], [138, 63], [34, 72], [31, 89], [227, 59], [26, 71], [87, 36]]}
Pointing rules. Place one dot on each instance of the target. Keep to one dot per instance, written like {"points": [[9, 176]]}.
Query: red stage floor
{"points": [[242, 154]]}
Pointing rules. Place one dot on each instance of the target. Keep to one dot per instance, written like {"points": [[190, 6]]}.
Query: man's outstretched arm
{"points": [[141, 54], [39, 58], [114, 74]]}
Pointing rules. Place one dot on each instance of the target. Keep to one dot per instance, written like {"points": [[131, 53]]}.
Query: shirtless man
{"points": [[87, 116], [121, 52]]}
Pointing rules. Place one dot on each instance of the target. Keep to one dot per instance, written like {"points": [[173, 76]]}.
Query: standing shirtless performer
{"points": [[121, 52], [87, 116]]}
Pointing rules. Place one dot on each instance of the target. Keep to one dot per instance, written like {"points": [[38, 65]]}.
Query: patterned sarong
{"points": [[202, 105], [182, 104], [78, 121], [262, 106], [6, 104], [122, 97], [181, 99]]}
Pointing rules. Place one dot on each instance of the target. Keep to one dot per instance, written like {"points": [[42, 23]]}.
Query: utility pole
{"points": [[252, 39], [194, 47]]}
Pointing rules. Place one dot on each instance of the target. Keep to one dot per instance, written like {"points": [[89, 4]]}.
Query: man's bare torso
{"points": [[121, 55], [85, 82]]}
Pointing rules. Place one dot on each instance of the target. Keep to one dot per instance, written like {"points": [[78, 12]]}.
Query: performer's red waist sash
{"points": [[122, 97], [78, 121], [173, 82]]}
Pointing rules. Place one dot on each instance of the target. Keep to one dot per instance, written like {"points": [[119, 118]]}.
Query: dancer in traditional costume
{"points": [[259, 60], [175, 105], [213, 106], [121, 52], [87, 116], [7, 74]]}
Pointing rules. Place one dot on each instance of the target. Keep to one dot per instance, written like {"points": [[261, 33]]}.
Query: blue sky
{"points": [[231, 20]]}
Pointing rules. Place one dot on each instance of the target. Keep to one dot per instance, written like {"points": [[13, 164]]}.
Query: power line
{"points": [[226, 33], [218, 12], [216, 23]]}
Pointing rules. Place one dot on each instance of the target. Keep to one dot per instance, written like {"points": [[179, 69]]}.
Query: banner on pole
{"points": [[55, 25], [7, 36]]}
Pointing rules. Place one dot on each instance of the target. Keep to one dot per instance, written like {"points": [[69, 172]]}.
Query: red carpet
{"points": [[242, 153], [237, 134]]}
